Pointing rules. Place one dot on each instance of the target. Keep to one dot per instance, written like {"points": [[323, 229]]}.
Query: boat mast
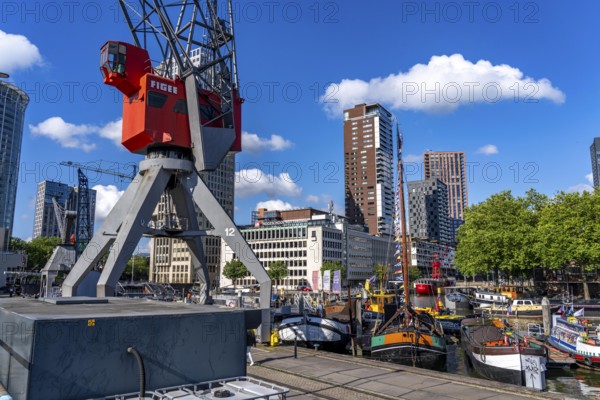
{"points": [[400, 209]]}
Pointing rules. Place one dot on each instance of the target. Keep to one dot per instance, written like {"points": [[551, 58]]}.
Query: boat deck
{"points": [[322, 375], [556, 358]]}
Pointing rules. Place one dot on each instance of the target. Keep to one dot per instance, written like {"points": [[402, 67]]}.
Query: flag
{"points": [[578, 313], [570, 312], [373, 279], [509, 309]]}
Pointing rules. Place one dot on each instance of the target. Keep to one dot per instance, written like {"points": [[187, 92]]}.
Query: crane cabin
{"points": [[154, 107]]}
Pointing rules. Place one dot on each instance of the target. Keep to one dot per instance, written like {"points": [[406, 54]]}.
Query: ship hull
{"points": [[492, 356], [412, 348], [312, 330]]}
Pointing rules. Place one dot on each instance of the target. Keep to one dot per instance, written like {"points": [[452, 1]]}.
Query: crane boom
{"points": [[88, 167]]}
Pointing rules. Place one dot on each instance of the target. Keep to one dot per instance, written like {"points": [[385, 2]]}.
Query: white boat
{"points": [[458, 297], [499, 295], [311, 330]]}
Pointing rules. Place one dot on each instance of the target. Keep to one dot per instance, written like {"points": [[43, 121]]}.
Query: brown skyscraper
{"points": [[450, 168], [368, 176]]}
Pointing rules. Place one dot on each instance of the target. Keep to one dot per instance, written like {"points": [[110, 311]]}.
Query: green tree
{"points": [[569, 233], [141, 269], [17, 244], [500, 235], [39, 251], [380, 271], [277, 271], [414, 273], [234, 270]]}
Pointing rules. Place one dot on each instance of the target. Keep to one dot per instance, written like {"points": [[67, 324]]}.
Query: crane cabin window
{"points": [[114, 57], [156, 99]]}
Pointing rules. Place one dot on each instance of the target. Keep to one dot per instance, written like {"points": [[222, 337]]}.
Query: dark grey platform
{"points": [[76, 350]]}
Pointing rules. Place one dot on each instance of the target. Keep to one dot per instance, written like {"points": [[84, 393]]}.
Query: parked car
{"points": [[304, 288]]}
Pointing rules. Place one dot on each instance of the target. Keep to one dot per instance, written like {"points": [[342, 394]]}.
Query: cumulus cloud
{"points": [[278, 205], [254, 144], [77, 136], [488, 150], [442, 85], [581, 187], [311, 198], [250, 182], [106, 198], [112, 131], [590, 178], [17, 53], [67, 134]]}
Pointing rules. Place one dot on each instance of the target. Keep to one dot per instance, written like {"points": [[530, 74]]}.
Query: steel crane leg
{"points": [[226, 228], [184, 205], [153, 184], [101, 240]]}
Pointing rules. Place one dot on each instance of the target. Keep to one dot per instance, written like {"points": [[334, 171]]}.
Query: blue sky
{"points": [[301, 62]]}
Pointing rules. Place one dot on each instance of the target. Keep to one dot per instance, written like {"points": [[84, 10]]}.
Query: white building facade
{"points": [[304, 245]]}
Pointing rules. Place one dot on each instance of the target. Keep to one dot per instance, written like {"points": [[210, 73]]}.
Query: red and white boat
{"points": [[429, 286]]}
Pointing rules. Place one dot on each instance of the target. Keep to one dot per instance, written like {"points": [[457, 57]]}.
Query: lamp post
{"points": [[132, 265]]}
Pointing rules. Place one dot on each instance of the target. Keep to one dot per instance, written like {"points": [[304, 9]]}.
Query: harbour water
{"points": [[578, 383]]}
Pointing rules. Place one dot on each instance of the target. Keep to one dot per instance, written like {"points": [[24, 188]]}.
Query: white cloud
{"points": [[311, 198], [106, 198], [67, 134], [278, 205], [77, 136], [254, 144], [112, 131], [442, 85], [250, 182], [17, 53], [590, 178], [581, 187], [413, 158], [488, 150]]}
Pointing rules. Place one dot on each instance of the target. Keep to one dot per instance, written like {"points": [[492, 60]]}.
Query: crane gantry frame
{"points": [[184, 114]]}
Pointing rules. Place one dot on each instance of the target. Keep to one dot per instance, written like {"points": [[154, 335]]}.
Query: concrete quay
{"points": [[322, 375]]}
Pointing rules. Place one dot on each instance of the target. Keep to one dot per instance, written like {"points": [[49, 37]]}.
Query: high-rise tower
{"points": [[450, 168], [13, 102], [428, 211], [368, 173], [595, 155]]}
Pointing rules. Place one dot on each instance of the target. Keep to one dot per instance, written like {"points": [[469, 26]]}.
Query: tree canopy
{"points": [[234, 270], [141, 269], [569, 231], [277, 271], [38, 250], [500, 234]]}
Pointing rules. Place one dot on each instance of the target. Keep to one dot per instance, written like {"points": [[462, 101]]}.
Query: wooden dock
{"points": [[322, 375]]}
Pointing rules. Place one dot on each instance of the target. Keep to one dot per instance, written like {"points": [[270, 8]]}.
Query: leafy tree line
{"points": [[40, 249], [236, 270], [513, 235]]}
